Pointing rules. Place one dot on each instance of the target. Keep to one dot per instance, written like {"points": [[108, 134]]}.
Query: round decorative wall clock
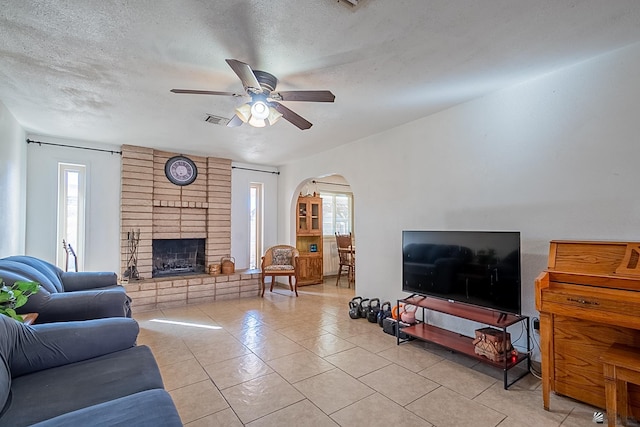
{"points": [[180, 170]]}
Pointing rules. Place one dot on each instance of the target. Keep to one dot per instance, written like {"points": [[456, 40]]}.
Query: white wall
{"points": [[102, 203], [555, 158], [241, 178], [13, 184]]}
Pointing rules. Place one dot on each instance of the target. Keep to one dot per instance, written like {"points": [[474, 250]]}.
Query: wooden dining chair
{"points": [[347, 255]]}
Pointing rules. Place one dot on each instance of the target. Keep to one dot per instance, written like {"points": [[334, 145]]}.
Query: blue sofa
{"points": [[80, 374], [66, 296]]}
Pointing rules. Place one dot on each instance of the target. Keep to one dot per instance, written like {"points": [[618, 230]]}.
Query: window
{"points": [[337, 213], [255, 223], [71, 197]]}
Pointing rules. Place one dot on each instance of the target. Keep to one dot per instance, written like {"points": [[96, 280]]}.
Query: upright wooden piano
{"points": [[588, 298]]}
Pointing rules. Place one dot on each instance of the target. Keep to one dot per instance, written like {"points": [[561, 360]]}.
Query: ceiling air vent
{"points": [[352, 3], [216, 120]]}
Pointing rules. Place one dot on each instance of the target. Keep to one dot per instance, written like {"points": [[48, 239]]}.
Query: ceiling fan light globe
{"points": [[274, 116], [260, 110], [244, 112], [257, 123]]}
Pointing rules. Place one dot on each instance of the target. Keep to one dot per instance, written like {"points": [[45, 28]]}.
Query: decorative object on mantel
{"points": [[181, 170], [214, 269], [228, 265], [133, 240], [15, 296]]}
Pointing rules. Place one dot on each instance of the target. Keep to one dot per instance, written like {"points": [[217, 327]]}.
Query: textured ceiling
{"points": [[98, 70]]}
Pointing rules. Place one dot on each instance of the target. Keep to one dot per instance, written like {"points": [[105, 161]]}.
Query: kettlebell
{"points": [[396, 311], [374, 308], [354, 307], [363, 308], [409, 314], [384, 312]]}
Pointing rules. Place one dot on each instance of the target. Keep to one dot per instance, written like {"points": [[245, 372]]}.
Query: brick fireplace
{"points": [[161, 210]]}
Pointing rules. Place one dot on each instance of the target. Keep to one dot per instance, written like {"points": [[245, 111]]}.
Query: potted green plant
{"points": [[16, 295]]}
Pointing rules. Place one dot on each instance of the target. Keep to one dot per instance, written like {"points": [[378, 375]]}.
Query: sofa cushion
{"points": [[148, 408], [279, 268], [89, 280], [5, 382], [80, 305], [49, 345], [7, 338], [80, 385]]}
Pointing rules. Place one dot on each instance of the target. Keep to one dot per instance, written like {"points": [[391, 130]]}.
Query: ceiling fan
{"points": [[264, 108]]}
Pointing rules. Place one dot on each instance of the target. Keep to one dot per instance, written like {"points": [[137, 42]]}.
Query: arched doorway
{"points": [[337, 216]]}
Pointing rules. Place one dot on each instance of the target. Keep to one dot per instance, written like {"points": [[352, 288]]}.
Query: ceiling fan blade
{"points": [[245, 73], [204, 92], [294, 118], [303, 95], [235, 122]]}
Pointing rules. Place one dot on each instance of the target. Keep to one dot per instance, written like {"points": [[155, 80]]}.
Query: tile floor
{"points": [[286, 361]]}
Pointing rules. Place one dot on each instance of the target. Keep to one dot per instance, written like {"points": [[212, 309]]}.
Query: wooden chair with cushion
{"points": [[347, 256], [280, 260]]}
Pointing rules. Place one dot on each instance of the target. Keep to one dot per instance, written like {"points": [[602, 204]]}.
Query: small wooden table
{"points": [[29, 318], [621, 366]]}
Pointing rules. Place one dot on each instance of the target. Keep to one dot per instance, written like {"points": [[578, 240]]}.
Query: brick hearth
{"points": [[178, 291]]}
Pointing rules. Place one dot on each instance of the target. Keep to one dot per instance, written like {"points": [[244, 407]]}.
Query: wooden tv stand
{"points": [[462, 343]]}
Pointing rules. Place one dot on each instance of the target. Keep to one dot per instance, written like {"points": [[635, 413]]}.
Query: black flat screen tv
{"points": [[481, 268]]}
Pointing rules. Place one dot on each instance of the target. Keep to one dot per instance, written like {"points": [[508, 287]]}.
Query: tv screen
{"points": [[474, 267]]}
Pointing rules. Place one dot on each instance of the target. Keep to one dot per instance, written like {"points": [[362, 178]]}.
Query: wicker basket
{"points": [[214, 269], [228, 265]]}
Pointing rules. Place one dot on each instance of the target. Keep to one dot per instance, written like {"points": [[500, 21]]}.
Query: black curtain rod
{"points": [[255, 170], [31, 141], [330, 183]]}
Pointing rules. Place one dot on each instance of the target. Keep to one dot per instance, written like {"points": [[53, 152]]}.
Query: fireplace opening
{"points": [[177, 257]]}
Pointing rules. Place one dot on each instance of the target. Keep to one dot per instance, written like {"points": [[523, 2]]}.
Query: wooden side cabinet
{"points": [[309, 269], [309, 239]]}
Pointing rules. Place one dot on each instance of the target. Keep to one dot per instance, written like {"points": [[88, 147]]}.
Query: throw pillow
{"points": [[282, 256]]}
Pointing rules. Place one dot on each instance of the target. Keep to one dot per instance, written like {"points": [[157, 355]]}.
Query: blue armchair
{"points": [[66, 296]]}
